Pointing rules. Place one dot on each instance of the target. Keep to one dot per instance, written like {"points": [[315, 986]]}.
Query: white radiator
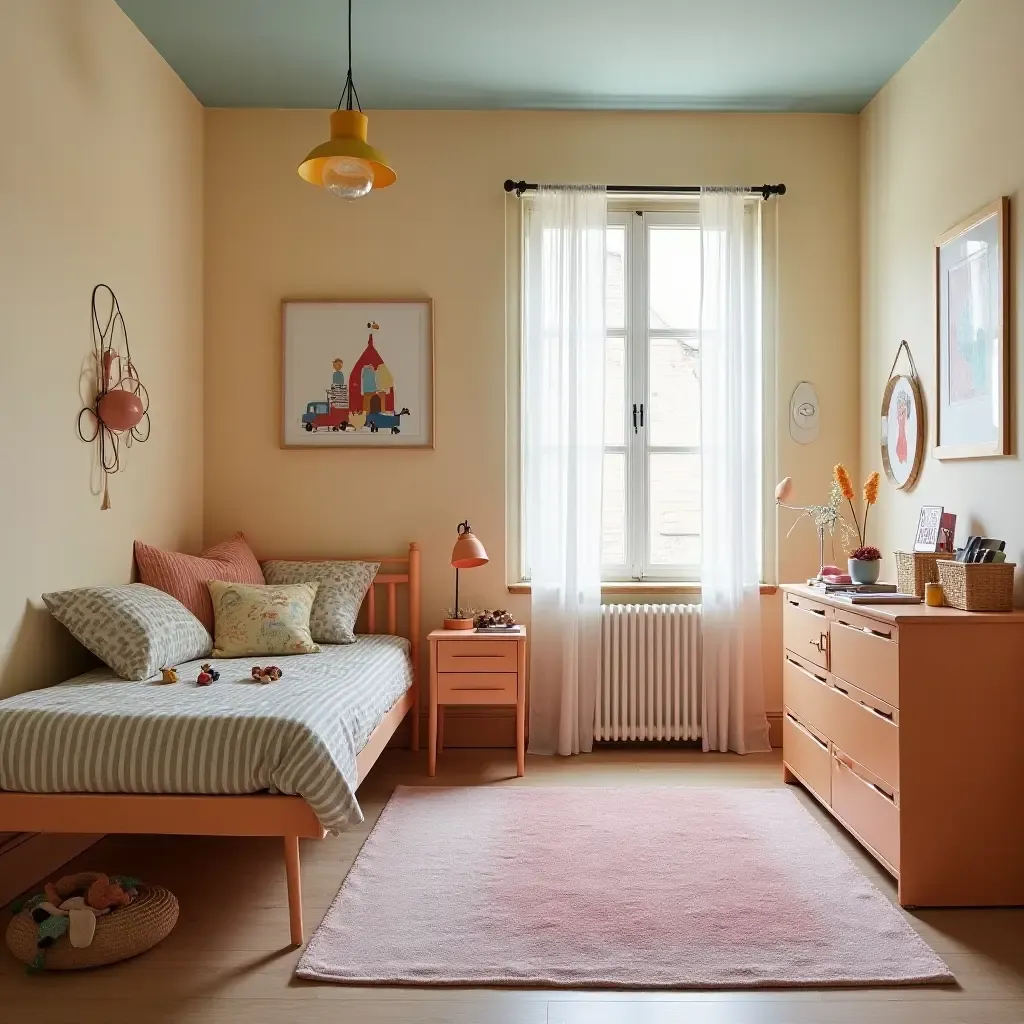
{"points": [[649, 686]]}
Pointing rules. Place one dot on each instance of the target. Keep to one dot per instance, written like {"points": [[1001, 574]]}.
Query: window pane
{"points": [[675, 509], [675, 392], [613, 549], [615, 391], [615, 283], [674, 254]]}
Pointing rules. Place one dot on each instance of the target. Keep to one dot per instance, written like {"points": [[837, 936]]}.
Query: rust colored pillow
{"points": [[185, 576]]}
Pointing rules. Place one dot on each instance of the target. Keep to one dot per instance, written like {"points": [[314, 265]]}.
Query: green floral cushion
{"points": [[343, 585]]}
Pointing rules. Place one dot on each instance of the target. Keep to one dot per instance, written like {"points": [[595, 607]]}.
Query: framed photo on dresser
{"points": [[972, 285]]}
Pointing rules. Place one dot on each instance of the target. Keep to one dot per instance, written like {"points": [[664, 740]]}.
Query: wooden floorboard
{"points": [[228, 962]]}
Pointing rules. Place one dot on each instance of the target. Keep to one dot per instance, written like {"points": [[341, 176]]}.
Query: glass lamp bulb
{"points": [[347, 177]]}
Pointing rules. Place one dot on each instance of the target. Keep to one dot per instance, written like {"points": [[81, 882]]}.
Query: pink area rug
{"points": [[627, 887]]}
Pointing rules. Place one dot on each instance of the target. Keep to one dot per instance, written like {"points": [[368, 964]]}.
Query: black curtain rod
{"points": [[519, 187]]}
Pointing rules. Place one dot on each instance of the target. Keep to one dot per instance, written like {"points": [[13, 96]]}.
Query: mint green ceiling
{"points": [[820, 55]]}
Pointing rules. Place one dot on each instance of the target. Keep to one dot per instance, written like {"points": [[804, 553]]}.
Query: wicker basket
{"points": [[916, 568], [124, 932], [977, 586]]}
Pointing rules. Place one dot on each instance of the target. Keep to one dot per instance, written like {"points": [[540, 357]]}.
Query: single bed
{"points": [[101, 754]]}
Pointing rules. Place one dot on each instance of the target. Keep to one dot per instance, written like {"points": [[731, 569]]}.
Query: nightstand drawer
{"points": [[477, 687], [477, 656]]}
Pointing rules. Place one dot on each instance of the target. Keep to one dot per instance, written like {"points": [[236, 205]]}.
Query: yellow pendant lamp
{"points": [[347, 165]]}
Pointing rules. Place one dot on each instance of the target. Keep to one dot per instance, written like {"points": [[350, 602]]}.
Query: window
{"points": [[651, 510]]}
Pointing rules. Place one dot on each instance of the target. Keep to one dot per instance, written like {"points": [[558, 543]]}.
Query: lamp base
{"points": [[458, 623]]}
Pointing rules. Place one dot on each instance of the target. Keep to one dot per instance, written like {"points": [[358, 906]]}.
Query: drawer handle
{"points": [[806, 671], [840, 689], [799, 725], [881, 634], [887, 715], [477, 656], [891, 797]]}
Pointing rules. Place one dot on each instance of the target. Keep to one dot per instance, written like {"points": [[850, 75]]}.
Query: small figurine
{"points": [[210, 671], [168, 675], [270, 674], [204, 679]]}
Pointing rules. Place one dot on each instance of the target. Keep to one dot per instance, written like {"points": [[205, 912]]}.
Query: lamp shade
{"points": [[468, 551], [348, 139]]}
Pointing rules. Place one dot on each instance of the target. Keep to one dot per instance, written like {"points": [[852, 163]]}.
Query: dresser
{"points": [[907, 723]]}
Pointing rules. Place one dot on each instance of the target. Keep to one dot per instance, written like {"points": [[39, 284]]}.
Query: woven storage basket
{"points": [[977, 586], [124, 932], [916, 568]]}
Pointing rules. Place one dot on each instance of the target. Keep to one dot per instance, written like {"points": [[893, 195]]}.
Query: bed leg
{"points": [[415, 740], [291, 866]]}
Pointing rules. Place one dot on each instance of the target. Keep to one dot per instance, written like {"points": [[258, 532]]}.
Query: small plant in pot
{"points": [[865, 560]]}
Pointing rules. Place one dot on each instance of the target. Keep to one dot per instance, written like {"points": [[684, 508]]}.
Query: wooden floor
{"points": [[227, 961]]}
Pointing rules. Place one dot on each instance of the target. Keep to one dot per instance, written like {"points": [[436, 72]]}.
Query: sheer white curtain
{"points": [[731, 377], [564, 453]]}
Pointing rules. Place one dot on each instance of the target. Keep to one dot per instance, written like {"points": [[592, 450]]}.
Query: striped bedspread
{"points": [[98, 733]]}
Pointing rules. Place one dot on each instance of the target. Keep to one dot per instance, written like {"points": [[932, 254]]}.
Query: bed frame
{"points": [[259, 814]]}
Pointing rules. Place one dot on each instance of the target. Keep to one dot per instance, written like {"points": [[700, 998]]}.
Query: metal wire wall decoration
{"points": [[120, 409]]}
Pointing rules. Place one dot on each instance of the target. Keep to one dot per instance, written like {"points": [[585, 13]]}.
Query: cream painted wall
{"points": [[940, 141], [100, 180], [440, 233]]}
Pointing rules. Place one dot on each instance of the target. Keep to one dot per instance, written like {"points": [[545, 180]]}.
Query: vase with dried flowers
{"points": [[826, 518], [865, 560]]}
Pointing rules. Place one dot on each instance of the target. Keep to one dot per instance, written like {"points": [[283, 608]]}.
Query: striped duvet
{"points": [[98, 733]]}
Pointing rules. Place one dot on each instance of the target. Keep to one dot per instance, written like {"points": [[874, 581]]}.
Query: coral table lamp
{"points": [[468, 553]]}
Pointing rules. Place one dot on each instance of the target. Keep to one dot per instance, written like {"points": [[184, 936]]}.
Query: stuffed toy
{"points": [[270, 674], [168, 675]]}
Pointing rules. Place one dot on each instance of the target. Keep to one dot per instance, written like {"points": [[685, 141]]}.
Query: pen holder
{"points": [[977, 586]]}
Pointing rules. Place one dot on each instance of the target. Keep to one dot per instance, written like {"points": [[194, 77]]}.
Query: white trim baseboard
{"points": [[27, 858]]}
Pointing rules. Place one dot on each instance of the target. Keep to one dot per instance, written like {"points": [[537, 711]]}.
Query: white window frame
{"points": [[653, 211]]}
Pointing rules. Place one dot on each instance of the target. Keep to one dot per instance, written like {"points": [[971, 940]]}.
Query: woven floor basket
{"points": [[122, 933], [916, 568], [977, 586]]}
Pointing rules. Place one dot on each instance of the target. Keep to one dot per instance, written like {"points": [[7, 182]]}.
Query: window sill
{"points": [[660, 587]]}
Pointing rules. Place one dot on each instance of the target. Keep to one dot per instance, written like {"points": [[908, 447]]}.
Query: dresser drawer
{"points": [[866, 808], [866, 652], [805, 692], [477, 655], [867, 729], [476, 687], [807, 756], [805, 629]]}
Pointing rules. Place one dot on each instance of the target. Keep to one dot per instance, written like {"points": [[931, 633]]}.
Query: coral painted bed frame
{"points": [[258, 814]]}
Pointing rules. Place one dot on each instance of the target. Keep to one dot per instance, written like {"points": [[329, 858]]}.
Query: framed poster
{"points": [[973, 295], [357, 374], [929, 523]]}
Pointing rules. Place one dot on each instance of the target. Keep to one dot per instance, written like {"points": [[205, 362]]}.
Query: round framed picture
{"points": [[902, 431]]}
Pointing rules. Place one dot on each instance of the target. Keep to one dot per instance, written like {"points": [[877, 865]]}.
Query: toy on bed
{"points": [[88, 919], [168, 675], [270, 674], [207, 674]]}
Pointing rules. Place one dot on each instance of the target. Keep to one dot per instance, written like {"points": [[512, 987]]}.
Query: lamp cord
{"points": [[348, 93]]}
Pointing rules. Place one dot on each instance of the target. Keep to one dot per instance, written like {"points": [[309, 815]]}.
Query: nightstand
{"points": [[467, 667]]}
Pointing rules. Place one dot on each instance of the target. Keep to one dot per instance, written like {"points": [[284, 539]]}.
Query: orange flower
{"points": [[843, 479], [871, 488]]}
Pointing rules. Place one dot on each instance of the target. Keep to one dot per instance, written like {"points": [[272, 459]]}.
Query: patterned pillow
{"points": [[343, 585], [185, 576], [135, 629], [261, 620]]}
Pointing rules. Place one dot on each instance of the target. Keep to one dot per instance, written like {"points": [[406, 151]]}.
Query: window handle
{"points": [[634, 418], [641, 414]]}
